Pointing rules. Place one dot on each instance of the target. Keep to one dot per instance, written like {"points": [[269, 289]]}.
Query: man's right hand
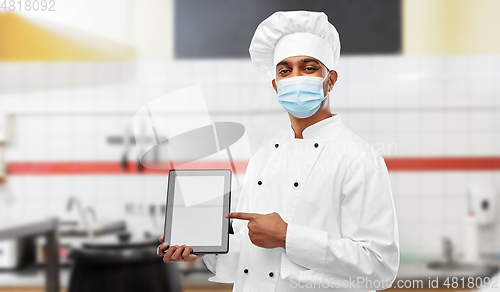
{"points": [[176, 253]]}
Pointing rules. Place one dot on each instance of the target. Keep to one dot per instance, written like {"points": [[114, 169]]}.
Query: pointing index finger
{"points": [[241, 215]]}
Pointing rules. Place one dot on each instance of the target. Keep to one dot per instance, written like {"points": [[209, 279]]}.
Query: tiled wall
{"points": [[404, 106]]}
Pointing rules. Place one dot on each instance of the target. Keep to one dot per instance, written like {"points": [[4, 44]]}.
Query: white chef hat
{"points": [[294, 33]]}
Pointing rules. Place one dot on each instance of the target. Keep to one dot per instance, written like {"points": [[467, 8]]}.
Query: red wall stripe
{"points": [[102, 167], [443, 163], [483, 163]]}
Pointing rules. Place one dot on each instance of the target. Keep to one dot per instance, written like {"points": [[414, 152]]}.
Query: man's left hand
{"points": [[264, 230]]}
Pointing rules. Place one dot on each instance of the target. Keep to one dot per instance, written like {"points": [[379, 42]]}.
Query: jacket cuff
{"points": [[210, 261], [306, 246]]}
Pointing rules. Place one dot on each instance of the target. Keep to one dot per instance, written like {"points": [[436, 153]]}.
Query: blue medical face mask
{"points": [[301, 96]]}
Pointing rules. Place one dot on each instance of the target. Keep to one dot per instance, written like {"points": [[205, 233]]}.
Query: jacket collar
{"points": [[319, 129]]}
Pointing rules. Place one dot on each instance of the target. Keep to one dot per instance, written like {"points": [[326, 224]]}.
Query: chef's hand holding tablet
{"points": [[176, 253]]}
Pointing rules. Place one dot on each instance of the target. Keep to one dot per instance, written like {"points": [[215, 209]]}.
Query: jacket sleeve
{"points": [[369, 247], [224, 265]]}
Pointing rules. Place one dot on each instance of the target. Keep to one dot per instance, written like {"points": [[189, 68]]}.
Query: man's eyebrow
{"points": [[307, 60], [282, 63]]}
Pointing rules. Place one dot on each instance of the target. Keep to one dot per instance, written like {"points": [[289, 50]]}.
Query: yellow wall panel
{"points": [[450, 26], [22, 40]]}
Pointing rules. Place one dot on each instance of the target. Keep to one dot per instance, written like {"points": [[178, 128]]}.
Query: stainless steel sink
{"points": [[442, 270], [97, 229], [464, 268]]}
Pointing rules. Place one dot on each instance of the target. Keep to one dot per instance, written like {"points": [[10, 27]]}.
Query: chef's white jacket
{"points": [[334, 192]]}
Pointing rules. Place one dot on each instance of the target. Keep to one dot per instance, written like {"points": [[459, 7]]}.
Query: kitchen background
{"points": [[72, 79]]}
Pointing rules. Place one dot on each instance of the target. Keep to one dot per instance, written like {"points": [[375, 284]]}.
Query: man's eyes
{"points": [[284, 71]]}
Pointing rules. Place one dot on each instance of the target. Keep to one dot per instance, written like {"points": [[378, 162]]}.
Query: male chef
{"points": [[315, 212]]}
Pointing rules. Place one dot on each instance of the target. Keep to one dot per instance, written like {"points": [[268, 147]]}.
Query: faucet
{"points": [[83, 216], [448, 251], [91, 211]]}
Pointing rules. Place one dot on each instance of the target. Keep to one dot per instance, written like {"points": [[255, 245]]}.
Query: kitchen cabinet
{"points": [[47, 228], [26, 289]]}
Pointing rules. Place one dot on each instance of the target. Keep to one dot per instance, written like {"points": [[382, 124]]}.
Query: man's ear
{"points": [[333, 79], [274, 85]]}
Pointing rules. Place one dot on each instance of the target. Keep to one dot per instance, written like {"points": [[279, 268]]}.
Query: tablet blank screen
{"points": [[197, 211]]}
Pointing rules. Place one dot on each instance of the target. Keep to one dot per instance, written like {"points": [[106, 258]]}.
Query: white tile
{"points": [[433, 121], [409, 237], [432, 210], [34, 209], [106, 188], [59, 209], [83, 148], [433, 93], [59, 74], [481, 67], [106, 97], [456, 183], [455, 209], [13, 100], [35, 148], [383, 93], [106, 151], [408, 65], [456, 67], [83, 125], [457, 92], [408, 92], [482, 143], [60, 99], [432, 237], [16, 210], [83, 187], [487, 239], [59, 187], [408, 121], [360, 93], [36, 188], [457, 144], [481, 177], [109, 72], [107, 210], [358, 121], [60, 149], [84, 98], [14, 154], [481, 92], [360, 68], [130, 188], [108, 125], [409, 184], [385, 144], [35, 75], [409, 144], [13, 74], [433, 67], [432, 184], [35, 100], [32, 125], [16, 187], [408, 209], [201, 75], [83, 74], [60, 126], [386, 68], [481, 120], [384, 121], [433, 144]]}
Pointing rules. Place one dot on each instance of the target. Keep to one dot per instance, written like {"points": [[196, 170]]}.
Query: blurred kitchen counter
{"points": [[32, 279]]}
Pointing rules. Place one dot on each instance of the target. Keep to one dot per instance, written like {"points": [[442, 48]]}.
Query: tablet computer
{"points": [[197, 202]]}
